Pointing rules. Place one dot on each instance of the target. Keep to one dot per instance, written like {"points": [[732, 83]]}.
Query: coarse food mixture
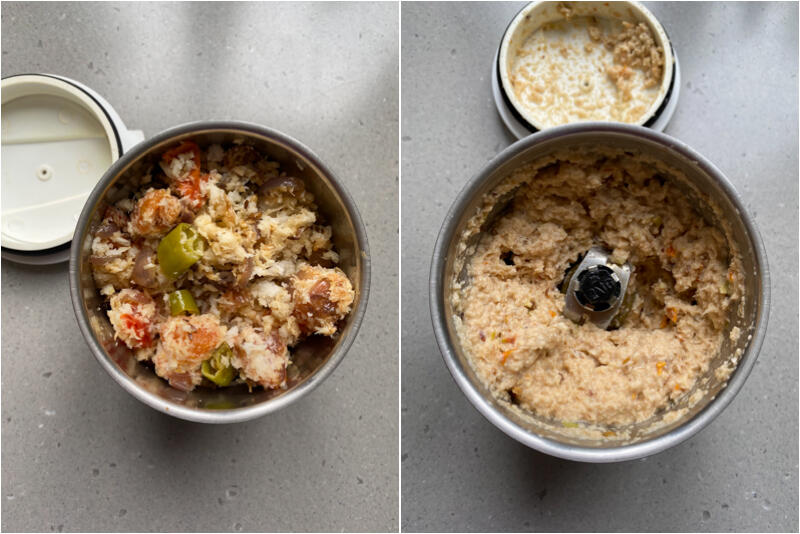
{"points": [[686, 277], [587, 68], [216, 265]]}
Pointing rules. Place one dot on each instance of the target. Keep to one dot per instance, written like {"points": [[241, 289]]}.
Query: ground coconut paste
{"points": [[686, 280]]}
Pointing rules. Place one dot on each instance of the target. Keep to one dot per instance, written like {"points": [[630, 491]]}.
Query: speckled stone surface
{"points": [[79, 453], [738, 107]]}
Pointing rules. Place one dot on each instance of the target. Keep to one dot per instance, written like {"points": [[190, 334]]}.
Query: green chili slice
{"points": [[180, 249], [219, 368], [182, 301], [221, 405], [725, 288]]}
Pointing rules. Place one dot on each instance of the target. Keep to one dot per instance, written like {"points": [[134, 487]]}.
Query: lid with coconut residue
{"points": [[566, 62]]}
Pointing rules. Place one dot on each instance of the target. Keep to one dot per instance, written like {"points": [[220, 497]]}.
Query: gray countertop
{"points": [[738, 107], [78, 452]]}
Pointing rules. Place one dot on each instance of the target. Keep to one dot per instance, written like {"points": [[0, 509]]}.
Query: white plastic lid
{"points": [[57, 142]]}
